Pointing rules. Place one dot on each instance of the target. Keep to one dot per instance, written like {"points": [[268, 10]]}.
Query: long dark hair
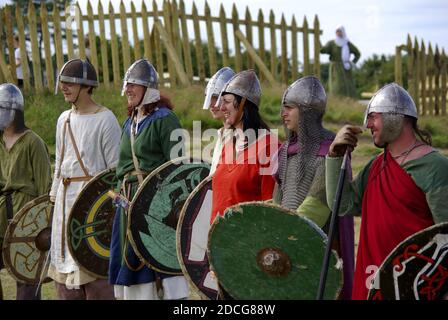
{"points": [[424, 135], [19, 122], [251, 116], [163, 102]]}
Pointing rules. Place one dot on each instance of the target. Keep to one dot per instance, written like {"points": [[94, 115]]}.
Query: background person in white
{"points": [[96, 134], [19, 72]]}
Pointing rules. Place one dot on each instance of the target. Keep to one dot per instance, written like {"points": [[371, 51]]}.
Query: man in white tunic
{"points": [[87, 138]]}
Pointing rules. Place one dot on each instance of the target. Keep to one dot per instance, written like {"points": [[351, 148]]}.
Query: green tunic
{"points": [[340, 80], [25, 170], [430, 174]]}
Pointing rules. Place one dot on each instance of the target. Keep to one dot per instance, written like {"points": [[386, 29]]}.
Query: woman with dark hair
{"points": [[145, 145], [244, 170]]}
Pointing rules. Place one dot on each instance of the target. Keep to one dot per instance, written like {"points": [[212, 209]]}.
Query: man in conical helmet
{"points": [[243, 171], [301, 164], [87, 138], [399, 192], [145, 145], [212, 91], [25, 171]]}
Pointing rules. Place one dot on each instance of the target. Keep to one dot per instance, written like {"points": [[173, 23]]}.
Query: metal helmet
{"points": [[216, 83], [244, 84], [77, 71], [141, 72], [11, 99], [307, 92], [392, 99]]}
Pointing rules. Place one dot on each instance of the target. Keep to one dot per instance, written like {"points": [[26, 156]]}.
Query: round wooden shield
{"points": [[192, 236], [27, 241], [90, 225], [417, 269], [263, 251], [155, 210]]}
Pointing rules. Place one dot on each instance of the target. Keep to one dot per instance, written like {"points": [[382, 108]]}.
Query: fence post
{"points": [[248, 18], [80, 29], [69, 33], [176, 30], [437, 65], [261, 51], [410, 66], [444, 87], [210, 41], [224, 40], [316, 62], [124, 38], [422, 78], [137, 50], [103, 41], [155, 42], [306, 51], [238, 65], [92, 38], [23, 52], [167, 22], [114, 47], [37, 70], [46, 42], [185, 41], [146, 35], [431, 73], [398, 69], [198, 45], [273, 45], [284, 61], [9, 41]]}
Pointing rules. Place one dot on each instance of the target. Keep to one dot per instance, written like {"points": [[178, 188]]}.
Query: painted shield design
{"points": [[192, 236], [155, 210], [90, 224], [417, 269], [27, 241], [263, 251]]}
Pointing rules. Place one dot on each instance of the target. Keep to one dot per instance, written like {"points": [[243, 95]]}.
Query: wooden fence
{"points": [[426, 76], [167, 41]]}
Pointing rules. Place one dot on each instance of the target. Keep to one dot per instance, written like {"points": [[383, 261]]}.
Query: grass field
{"points": [[42, 112]]}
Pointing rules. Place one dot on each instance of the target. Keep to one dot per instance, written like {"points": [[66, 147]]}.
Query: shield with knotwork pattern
{"points": [[155, 209], [90, 223], [27, 241], [417, 269]]}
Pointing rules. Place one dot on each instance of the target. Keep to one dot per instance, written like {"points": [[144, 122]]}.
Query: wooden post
{"points": [[47, 49], [146, 34], [437, 67], [306, 51], [114, 47], [417, 74], [431, 73], [260, 64], [80, 29], [10, 42], [124, 39], [261, 51], [155, 42], [210, 41], [167, 23], [444, 86], [422, 78], [224, 40], [103, 42], [172, 54], [238, 62], [250, 62], [92, 38], [137, 50], [295, 55], [273, 45], [410, 68], [398, 69], [316, 47], [284, 63], [185, 41], [37, 70], [23, 52], [177, 40], [69, 33], [198, 45]]}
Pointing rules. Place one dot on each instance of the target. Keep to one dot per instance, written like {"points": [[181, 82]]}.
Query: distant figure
{"points": [[19, 72], [340, 78]]}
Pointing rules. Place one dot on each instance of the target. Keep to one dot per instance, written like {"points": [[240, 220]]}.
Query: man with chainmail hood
{"points": [[300, 178], [399, 192]]}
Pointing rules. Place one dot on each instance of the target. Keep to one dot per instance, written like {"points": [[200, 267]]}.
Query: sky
{"points": [[374, 27]]}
